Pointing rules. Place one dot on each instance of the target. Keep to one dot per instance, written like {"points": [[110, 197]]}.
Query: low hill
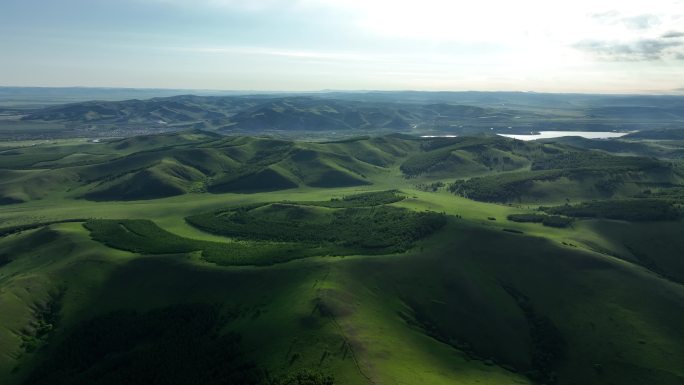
{"points": [[653, 113], [269, 113], [307, 114], [618, 146], [193, 257], [495, 168], [559, 183], [333, 114], [465, 156], [662, 134]]}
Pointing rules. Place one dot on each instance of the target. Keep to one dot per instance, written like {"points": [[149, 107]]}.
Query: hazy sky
{"points": [[570, 46]]}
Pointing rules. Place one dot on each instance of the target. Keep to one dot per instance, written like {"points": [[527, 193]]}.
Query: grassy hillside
{"points": [[662, 134], [572, 174], [667, 149], [492, 168], [197, 258]]}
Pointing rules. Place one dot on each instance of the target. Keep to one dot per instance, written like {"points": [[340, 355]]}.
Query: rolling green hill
{"points": [[490, 168], [570, 174], [663, 148], [192, 257], [661, 134]]}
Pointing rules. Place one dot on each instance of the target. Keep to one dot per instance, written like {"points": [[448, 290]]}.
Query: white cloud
{"points": [[639, 50], [497, 20], [520, 22], [610, 45], [269, 51]]}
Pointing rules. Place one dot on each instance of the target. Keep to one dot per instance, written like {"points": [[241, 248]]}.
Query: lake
{"points": [[558, 134]]}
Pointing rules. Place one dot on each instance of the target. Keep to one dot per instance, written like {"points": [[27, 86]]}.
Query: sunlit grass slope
{"points": [[479, 299]]}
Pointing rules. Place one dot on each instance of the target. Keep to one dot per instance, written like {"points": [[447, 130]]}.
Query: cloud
{"points": [[672, 35], [639, 50], [605, 16], [636, 22], [277, 52], [641, 21]]}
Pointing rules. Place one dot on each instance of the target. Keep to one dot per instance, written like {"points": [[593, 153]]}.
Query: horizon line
{"points": [[672, 92]]}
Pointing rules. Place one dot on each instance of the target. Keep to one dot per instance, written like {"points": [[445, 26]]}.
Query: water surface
{"points": [[558, 134]]}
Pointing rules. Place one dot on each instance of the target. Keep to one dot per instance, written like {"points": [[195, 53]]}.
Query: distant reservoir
{"points": [[558, 134]]}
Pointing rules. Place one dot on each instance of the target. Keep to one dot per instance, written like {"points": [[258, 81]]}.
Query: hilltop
{"points": [[157, 166], [194, 257]]}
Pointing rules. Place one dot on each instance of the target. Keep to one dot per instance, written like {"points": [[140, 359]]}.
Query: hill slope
{"points": [[193, 257], [494, 168]]}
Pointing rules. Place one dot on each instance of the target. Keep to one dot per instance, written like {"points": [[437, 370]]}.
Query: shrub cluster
{"points": [[623, 209], [375, 230], [594, 160], [546, 220], [374, 198], [145, 237], [501, 187], [264, 239]]}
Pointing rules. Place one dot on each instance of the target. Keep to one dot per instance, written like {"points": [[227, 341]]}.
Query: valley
{"points": [[368, 260], [326, 192]]}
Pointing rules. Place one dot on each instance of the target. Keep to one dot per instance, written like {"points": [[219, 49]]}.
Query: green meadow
{"points": [[196, 258]]}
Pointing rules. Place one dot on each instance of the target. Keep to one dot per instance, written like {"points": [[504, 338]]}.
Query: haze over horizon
{"points": [[308, 45]]}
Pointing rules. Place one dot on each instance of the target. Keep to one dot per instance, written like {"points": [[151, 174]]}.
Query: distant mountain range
{"points": [[370, 112], [258, 114]]}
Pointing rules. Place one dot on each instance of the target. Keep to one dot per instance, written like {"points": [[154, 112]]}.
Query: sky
{"points": [[593, 46]]}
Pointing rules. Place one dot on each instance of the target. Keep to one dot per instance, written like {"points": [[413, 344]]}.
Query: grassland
{"points": [[365, 283], [278, 232]]}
